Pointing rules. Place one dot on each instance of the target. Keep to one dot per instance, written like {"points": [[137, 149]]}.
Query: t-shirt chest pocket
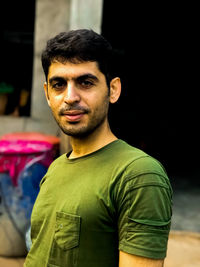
{"points": [[67, 230], [64, 251]]}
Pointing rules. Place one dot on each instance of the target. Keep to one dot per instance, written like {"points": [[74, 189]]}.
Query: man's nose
{"points": [[72, 94]]}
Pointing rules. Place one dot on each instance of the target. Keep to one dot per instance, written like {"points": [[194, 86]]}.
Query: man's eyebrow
{"points": [[87, 76], [80, 77]]}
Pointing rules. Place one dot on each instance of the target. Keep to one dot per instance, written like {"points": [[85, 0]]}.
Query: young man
{"points": [[105, 204]]}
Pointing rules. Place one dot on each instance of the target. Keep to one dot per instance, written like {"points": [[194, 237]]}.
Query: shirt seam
{"points": [[140, 248], [144, 173], [147, 184]]}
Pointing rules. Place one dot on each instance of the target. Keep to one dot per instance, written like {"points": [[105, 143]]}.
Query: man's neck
{"points": [[91, 143]]}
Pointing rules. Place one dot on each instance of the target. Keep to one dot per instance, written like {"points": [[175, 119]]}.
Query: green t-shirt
{"points": [[89, 208]]}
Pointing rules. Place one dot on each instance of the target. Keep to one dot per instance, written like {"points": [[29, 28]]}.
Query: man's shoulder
{"points": [[139, 162], [53, 167], [126, 153], [125, 149], [58, 160]]}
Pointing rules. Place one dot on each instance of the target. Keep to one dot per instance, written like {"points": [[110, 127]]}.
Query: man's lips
{"points": [[73, 115]]}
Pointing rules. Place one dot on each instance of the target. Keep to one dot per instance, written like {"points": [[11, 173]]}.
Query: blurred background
{"points": [[156, 48]]}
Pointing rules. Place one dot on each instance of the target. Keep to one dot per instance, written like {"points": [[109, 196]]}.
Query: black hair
{"points": [[80, 46]]}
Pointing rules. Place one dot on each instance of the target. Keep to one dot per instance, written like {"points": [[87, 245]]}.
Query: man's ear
{"points": [[115, 89], [46, 92]]}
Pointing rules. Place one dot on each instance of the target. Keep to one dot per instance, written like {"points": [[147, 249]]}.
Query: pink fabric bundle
{"points": [[16, 155]]}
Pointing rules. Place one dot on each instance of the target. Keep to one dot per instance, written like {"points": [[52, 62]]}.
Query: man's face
{"points": [[78, 96]]}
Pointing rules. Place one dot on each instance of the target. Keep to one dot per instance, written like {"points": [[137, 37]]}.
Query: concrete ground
{"points": [[184, 239]]}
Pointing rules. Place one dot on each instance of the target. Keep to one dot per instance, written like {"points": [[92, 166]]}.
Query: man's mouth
{"points": [[73, 115]]}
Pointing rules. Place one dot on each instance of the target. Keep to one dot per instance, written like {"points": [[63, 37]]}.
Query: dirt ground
{"points": [[11, 262], [183, 251]]}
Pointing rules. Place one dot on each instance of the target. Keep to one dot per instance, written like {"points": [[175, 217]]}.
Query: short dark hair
{"points": [[80, 46]]}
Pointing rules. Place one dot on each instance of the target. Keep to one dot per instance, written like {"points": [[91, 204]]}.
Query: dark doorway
{"points": [[16, 38], [157, 111]]}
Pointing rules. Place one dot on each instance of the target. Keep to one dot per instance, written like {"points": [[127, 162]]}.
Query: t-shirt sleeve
{"points": [[144, 202]]}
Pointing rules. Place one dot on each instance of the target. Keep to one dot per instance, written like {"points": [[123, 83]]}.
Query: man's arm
{"points": [[129, 260]]}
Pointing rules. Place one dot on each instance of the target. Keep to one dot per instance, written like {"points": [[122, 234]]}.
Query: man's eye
{"points": [[86, 83], [58, 85]]}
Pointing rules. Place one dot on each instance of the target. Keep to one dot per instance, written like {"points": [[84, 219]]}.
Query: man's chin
{"points": [[76, 133], [81, 130], [73, 129]]}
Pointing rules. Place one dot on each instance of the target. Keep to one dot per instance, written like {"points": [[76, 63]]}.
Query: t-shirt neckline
{"points": [[94, 153]]}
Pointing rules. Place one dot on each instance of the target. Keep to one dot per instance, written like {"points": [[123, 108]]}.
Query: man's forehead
{"points": [[73, 70]]}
